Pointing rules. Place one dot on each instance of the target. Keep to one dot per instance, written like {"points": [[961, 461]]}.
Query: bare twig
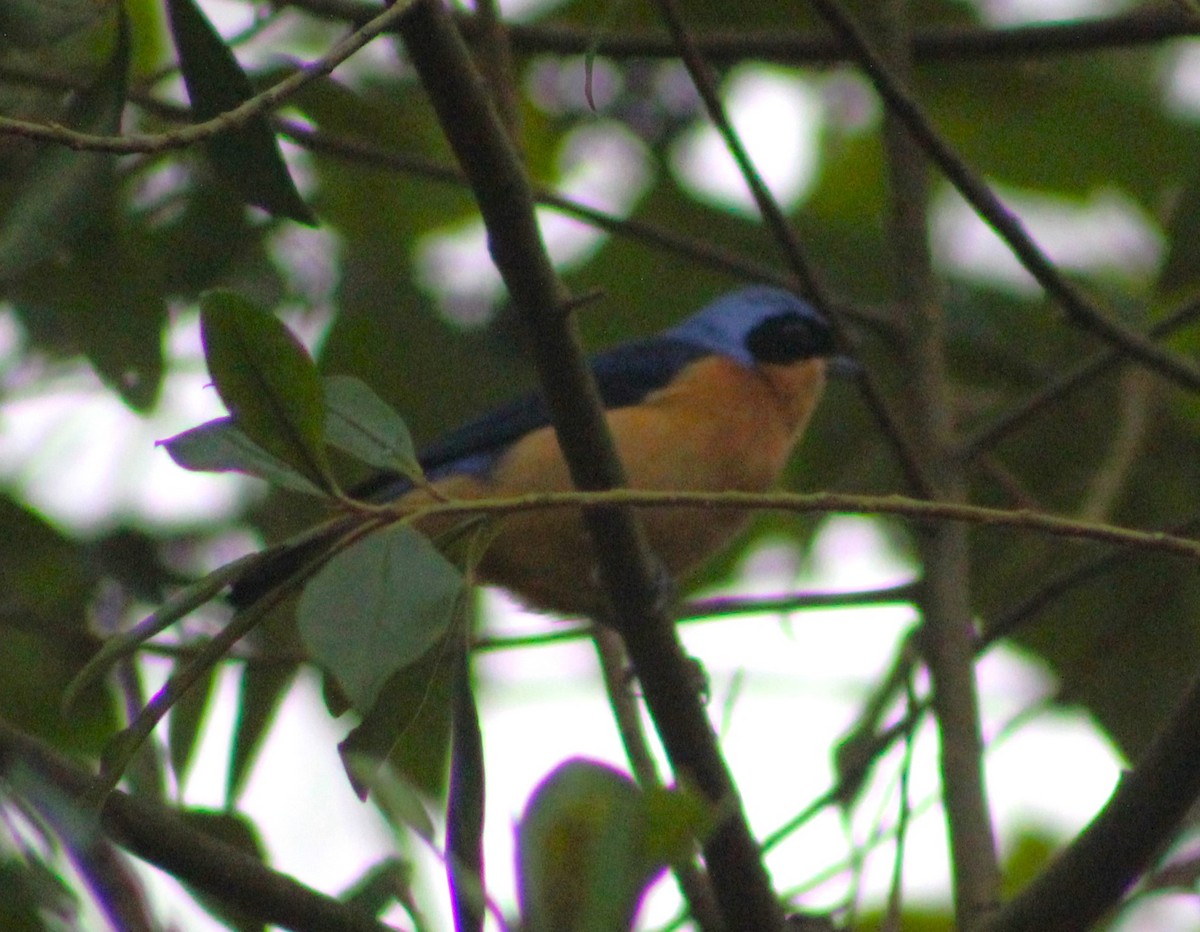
{"points": [[1078, 377], [916, 509], [253, 108]]}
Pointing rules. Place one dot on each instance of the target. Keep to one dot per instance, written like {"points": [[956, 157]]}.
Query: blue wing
{"points": [[624, 375]]}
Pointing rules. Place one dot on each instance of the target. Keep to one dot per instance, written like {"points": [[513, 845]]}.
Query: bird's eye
{"points": [[790, 337]]}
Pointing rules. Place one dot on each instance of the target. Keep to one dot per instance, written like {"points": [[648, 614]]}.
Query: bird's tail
{"points": [[285, 561]]}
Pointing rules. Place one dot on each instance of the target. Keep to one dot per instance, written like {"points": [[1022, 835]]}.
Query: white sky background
{"points": [[86, 461]]}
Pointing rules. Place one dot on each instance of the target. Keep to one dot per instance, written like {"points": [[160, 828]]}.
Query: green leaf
{"points": [[55, 201], [219, 446], [380, 886], [267, 380], [36, 898], [102, 297], [247, 158], [186, 722], [263, 687], [409, 725], [675, 820], [397, 798], [376, 607], [583, 852], [367, 427]]}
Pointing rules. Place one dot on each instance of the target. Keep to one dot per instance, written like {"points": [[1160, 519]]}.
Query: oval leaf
{"points": [[219, 446], [367, 427], [376, 607], [267, 380], [580, 851], [398, 799], [247, 158]]}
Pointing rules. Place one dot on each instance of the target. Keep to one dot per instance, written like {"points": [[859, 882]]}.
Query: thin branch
{"points": [[773, 216], [160, 837], [361, 152], [966, 44], [903, 594], [794, 255], [257, 106], [695, 249], [1082, 312], [1146, 25], [916, 509], [1080, 376], [904, 806], [693, 882], [1136, 397], [1017, 616]]}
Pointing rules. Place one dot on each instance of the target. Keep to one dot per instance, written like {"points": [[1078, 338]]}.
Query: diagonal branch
{"points": [[1079, 377], [1092, 874], [160, 837], [256, 106], [743, 888], [794, 255], [1082, 312]]}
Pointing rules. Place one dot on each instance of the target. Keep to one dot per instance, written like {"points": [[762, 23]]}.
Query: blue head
{"points": [[756, 325]]}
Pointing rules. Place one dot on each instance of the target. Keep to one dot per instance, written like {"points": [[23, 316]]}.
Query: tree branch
{"points": [[794, 254], [1092, 874], [1081, 311], [505, 199], [160, 837], [1146, 25], [916, 509], [1080, 376], [256, 106], [947, 633]]}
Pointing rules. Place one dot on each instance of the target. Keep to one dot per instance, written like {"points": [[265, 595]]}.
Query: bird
{"points": [[716, 403]]}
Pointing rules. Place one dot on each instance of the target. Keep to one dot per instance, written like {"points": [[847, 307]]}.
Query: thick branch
{"points": [[1088, 878], [159, 836], [947, 638], [477, 136]]}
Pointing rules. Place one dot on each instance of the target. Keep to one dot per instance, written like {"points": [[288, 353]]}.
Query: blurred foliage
{"points": [[100, 254]]}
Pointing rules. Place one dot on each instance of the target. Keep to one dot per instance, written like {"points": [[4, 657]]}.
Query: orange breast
{"points": [[717, 427]]}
